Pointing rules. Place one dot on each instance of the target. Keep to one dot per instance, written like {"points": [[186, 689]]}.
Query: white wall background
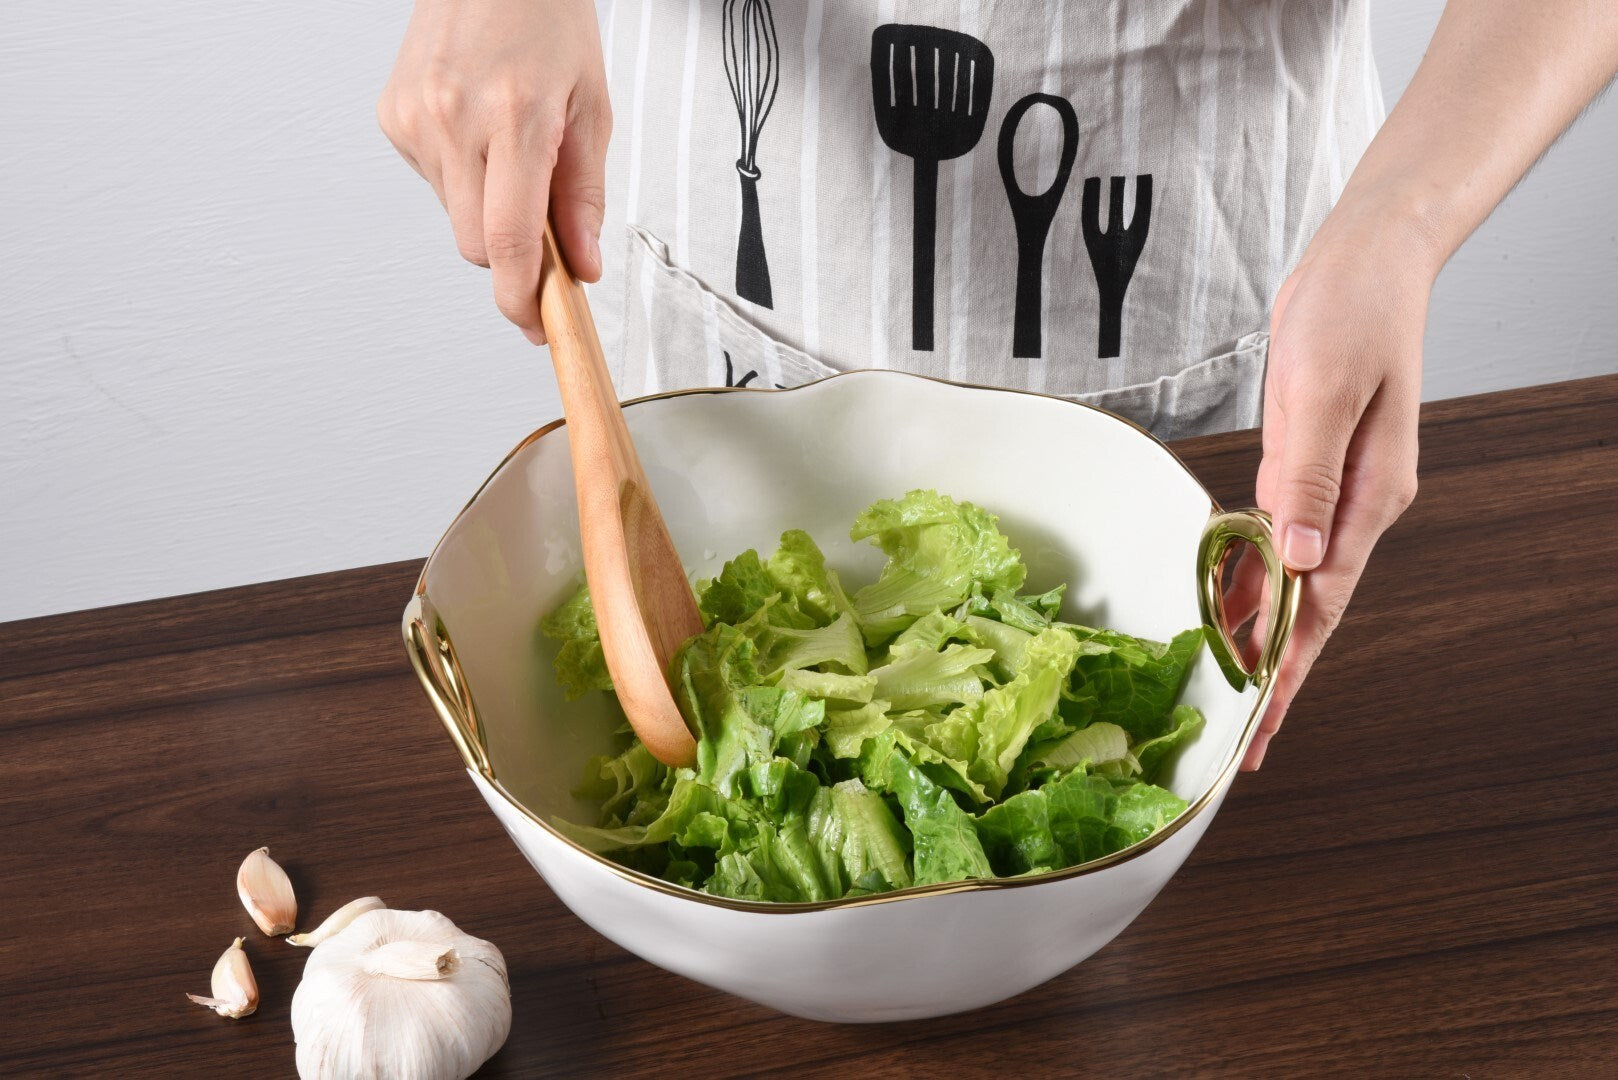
{"points": [[236, 343]]}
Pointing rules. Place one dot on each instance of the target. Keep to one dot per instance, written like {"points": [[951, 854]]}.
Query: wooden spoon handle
{"points": [[588, 396], [643, 602]]}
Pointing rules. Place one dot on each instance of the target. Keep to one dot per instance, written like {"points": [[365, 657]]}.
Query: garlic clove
{"points": [[337, 920], [235, 991], [412, 960], [266, 892]]}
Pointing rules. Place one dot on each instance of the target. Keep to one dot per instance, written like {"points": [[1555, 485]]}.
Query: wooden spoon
{"points": [[643, 601]]}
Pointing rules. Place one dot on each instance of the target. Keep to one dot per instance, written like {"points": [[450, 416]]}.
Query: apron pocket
{"points": [[1221, 393], [678, 334]]}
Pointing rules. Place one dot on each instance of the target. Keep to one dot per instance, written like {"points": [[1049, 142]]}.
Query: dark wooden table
{"points": [[1422, 881]]}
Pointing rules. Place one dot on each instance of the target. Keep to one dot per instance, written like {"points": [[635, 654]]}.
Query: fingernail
{"points": [[595, 252], [534, 337], [1303, 547], [1261, 746]]}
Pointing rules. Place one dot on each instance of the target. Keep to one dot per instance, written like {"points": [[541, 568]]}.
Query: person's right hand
{"points": [[501, 105]]}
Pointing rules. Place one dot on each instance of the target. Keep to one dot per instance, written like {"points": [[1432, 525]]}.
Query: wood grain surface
{"points": [[1422, 880]]}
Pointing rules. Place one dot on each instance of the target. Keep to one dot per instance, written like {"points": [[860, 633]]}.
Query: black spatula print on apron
{"points": [[931, 90], [1033, 215], [751, 66]]}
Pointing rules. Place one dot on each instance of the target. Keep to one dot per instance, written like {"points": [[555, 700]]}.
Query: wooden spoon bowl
{"points": [[643, 601]]}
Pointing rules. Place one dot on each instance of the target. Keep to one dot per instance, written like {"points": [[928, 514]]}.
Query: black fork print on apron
{"points": [[1033, 215], [751, 65], [1115, 250], [931, 90]]}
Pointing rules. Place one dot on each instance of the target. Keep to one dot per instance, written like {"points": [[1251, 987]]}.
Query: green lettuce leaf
{"points": [[1026, 613], [927, 634], [1048, 603], [829, 686], [742, 589], [739, 722], [944, 837], [798, 572], [1141, 810], [580, 665], [945, 771], [1157, 754], [1008, 643], [1016, 835], [1096, 748], [1081, 809], [990, 734], [1128, 681], [785, 859], [847, 729], [860, 842], [622, 781], [785, 648], [919, 678], [939, 551], [696, 815]]}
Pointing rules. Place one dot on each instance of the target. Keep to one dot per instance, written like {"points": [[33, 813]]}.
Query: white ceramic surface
{"points": [[1087, 498]]}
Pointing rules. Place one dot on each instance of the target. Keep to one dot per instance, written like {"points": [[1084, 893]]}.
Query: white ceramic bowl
{"points": [[1087, 497]]}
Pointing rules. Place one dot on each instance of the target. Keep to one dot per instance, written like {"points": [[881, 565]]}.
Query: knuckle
{"points": [[471, 248], [512, 101], [548, 128], [591, 194], [1332, 608], [1403, 491], [1330, 604], [385, 115], [515, 303], [508, 244], [1313, 488], [444, 100], [395, 124]]}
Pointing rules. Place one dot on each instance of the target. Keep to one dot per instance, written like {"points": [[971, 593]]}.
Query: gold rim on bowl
{"points": [[433, 658]]}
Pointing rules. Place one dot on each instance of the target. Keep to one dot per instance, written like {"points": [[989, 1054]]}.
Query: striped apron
{"points": [[1096, 200]]}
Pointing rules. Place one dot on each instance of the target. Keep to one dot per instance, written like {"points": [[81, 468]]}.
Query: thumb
{"points": [[1319, 428], [578, 185]]}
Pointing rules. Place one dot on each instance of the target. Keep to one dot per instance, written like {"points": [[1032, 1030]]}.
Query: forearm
{"points": [[1500, 81]]}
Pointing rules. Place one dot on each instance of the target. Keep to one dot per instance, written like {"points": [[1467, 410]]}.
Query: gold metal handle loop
{"points": [[433, 658], [1218, 535]]}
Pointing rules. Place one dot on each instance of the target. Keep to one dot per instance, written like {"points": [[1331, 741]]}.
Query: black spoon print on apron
{"points": [[751, 66], [1114, 252], [1033, 215], [931, 90]]}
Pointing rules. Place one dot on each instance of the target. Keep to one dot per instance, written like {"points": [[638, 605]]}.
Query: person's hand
{"points": [[1341, 398], [501, 105]]}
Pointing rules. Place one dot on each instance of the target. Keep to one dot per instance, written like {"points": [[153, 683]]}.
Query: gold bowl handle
{"points": [[1222, 531], [433, 657]]}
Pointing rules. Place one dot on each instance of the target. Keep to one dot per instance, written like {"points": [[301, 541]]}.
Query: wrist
{"points": [[1396, 224]]}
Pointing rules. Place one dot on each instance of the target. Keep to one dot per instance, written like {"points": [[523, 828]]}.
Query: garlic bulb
{"points": [[401, 995]]}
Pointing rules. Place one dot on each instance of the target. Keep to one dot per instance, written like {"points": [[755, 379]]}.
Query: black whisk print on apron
{"points": [[752, 65]]}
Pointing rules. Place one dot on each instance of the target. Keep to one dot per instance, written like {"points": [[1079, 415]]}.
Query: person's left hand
{"points": [[1341, 398]]}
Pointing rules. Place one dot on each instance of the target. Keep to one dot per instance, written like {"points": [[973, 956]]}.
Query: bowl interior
{"points": [[1087, 498]]}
